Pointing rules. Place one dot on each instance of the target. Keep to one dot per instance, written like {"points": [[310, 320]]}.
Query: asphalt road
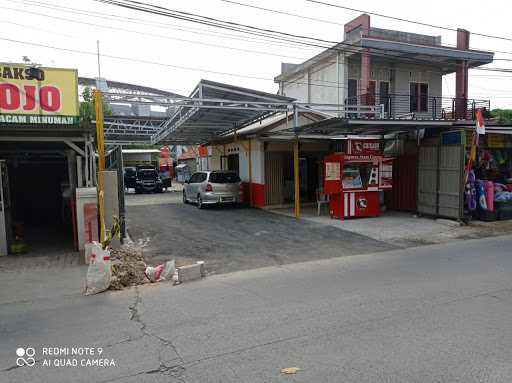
{"points": [[231, 239], [436, 313]]}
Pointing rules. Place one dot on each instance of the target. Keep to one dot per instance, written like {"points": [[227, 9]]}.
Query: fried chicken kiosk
{"points": [[353, 180]]}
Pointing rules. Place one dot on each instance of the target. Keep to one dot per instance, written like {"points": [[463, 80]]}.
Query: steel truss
{"points": [[131, 130]]}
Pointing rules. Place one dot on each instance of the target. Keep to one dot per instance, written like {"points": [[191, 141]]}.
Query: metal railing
{"points": [[404, 106]]}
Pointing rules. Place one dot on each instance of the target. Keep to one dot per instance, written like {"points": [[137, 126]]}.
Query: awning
{"points": [[337, 128], [340, 128], [219, 109]]}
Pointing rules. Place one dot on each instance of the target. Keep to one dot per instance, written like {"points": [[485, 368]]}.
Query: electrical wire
{"points": [[406, 20], [156, 24], [153, 34], [330, 22], [160, 10], [129, 59], [283, 13], [169, 65]]}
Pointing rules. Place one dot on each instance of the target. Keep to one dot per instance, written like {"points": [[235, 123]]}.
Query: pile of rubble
{"points": [[128, 267], [116, 269]]}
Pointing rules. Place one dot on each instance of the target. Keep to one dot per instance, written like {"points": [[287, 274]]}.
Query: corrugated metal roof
{"points": [[232, 107]]}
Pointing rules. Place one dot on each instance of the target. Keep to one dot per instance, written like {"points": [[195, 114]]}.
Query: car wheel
{"points": [[199, 202], [185, 201]]}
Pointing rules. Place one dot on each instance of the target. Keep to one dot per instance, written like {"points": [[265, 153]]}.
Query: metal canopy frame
{"points": [[336, 128], [213, 111]]}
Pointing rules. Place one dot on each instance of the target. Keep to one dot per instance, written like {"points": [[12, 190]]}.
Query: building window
{"points": [[352, 92], [384, 95], [418, 92], [370, 98]]}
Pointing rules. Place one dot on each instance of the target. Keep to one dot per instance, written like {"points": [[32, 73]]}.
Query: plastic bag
{"points": [[99, 273], [163, 272], [168, 271]]}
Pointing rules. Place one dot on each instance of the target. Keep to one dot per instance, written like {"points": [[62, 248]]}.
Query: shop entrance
{"points": [[41, 212]]}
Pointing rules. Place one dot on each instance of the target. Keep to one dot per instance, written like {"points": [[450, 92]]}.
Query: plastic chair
{"points": [[321, 199]]}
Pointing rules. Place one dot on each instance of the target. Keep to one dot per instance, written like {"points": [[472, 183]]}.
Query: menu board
{"points": [[332, 171]]}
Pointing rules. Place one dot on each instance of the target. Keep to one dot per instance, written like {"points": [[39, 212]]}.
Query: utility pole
{"points": [[98, 54], [100, 138]]}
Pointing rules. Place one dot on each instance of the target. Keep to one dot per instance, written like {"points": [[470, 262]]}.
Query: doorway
{"points": [[42, 216]]}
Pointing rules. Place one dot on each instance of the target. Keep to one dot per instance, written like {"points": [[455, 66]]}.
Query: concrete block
{"points": [[191, 272]]}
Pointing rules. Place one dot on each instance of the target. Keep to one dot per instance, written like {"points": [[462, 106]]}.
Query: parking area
{"points": [[230, 239]]}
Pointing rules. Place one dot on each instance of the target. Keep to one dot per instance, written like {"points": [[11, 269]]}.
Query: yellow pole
{"points": [[296, 177], [100, 138], [250, 175]]}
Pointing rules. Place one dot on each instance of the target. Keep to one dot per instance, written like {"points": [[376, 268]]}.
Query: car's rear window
{"points": [[224, 178], [147, 174]]}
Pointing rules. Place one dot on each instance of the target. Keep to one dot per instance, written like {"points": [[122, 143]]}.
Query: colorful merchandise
{"points": [[489, 195]]}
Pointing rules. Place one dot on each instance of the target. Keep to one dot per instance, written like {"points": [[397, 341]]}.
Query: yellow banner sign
{"points": [[38, 95]]}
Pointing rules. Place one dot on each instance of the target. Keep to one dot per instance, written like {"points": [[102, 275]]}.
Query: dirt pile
{"points": [[128, 267]]}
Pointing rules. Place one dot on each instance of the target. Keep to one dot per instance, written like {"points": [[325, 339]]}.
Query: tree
{"points": [[87, 108], [503, 116]]}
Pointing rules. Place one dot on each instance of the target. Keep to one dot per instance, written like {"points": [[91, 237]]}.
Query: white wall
{"points": [[241, 147], [323, 83], [319, 83], [405, 74]]}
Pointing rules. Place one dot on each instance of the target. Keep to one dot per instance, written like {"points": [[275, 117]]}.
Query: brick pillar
{"points": [[365, 76], [461, 77], [363, 23]]}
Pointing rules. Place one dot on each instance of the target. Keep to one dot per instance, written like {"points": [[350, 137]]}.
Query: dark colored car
{"points": [[130, 176], [147, 180]]}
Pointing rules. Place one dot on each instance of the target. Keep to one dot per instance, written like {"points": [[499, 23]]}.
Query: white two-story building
{"points": [[377, 82]]}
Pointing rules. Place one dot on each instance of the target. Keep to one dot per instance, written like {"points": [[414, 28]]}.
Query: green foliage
{"points": [[111, 233], [87, 109], [504, 116]]}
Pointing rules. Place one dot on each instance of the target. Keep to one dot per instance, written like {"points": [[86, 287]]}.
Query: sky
{"points": [[174, 55]]}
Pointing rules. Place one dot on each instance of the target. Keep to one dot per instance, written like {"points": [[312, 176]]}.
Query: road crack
{"points": [[174, 371]]}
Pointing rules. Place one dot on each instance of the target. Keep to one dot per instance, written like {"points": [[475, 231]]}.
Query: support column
{"points": [[355, 29], [296, 178], [461, 77], [341, 80], [365, 77], [250, 175], [296, 173]]}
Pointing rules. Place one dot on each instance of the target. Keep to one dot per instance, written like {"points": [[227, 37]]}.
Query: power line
{"points": [[175, 66], [283, 13], [165, 36], [132, 59], [406, 20], [156, 24], [152, 34], [325, 21], [129, 59], [249, 29]]}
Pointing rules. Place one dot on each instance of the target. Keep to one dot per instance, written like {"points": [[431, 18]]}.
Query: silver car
{"points": [[213, 187]]}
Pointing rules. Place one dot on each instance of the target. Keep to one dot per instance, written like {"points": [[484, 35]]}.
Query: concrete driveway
{"points": [[231, 239]]}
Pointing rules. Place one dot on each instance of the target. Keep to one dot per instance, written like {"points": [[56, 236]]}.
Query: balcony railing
{"points": [[401, 106]]}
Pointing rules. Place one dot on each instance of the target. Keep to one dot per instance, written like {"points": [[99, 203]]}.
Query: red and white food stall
{"points": [[353, 180]]}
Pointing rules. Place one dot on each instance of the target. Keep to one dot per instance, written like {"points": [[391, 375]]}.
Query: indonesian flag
{"points": [[480, 125]]}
